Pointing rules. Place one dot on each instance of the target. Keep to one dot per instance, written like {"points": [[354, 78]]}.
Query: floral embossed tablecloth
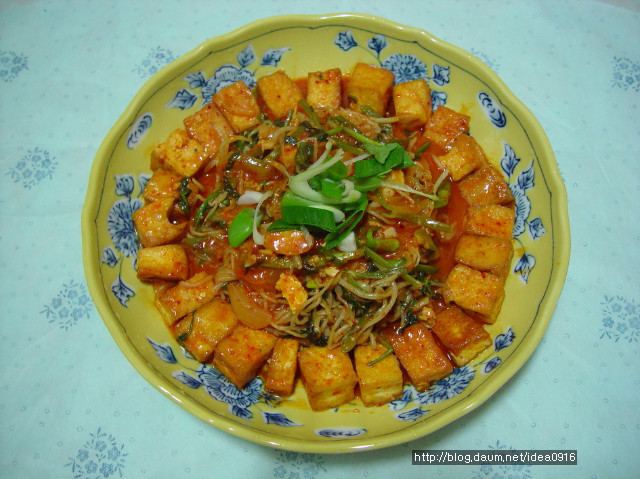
{"points": [[71, 406]]}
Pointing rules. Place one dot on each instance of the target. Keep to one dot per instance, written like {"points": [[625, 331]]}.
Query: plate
{"points": [[510, 135]]}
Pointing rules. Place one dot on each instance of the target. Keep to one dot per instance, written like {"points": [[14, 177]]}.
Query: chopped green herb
{"points": [[184, 336], [308, 109], [203, 210], [183, 193], [304, 154], [230, 188], [409, 316], [388, 352]]}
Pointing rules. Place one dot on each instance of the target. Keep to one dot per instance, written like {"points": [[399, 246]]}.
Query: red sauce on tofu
{"points": [[255, 286]]}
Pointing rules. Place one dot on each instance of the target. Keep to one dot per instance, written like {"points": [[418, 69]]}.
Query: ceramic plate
{"points": [[511, 137]]}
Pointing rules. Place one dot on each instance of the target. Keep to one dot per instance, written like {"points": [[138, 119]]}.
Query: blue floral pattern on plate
{"points": [[139, 129], [220, 388], [521, 183], [225, 76], [122, 232], [404, 67], [341, 432], [240, 401], [440, 391], [501, 341], [492, 109]]}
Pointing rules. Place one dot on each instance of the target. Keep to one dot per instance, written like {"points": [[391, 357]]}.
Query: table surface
{"points": [[71, 406]]}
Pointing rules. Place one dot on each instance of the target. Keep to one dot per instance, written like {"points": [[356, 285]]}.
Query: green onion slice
{"points": [[305, 215], [241, 227]]}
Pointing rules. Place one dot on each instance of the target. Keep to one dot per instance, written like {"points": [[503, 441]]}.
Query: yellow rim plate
{"points": [[512, 138]]}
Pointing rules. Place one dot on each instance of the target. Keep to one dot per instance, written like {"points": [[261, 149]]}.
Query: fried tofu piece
{"points": [[490, 220], [292, 290], [238, 105], [279, 93], [412, 103], [209, 127], [282, 367], [370, 86], [460, 334], [465, 156], [180, 153], [485, 186], [186, 296], [381, 382], [168, 262], [485, 253], [153, 225], [328, 376], [288, 242], [324, 89], [162, 184], [419, 354], [476, 291], [445, 125], [240, 355], [202, 330]]}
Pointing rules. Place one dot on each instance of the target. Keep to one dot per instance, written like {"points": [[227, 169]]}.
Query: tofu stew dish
{"points": [[333, 230]]}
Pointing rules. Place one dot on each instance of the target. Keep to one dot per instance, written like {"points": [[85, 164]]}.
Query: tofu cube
{"points": [[445, 125], [282, 367], [324, 89], [370, 86], [162, 184], [485, 186], [412, 103], [238, 105], [168, 262], [328, 377], [179, 153], [466, 155], [209, 127], [292, 290], [186, 296], [240, 355], [419, 354], [201, 331], [490, 220], [476, 291], [381, 382], [485, 253], [460, 334], [153, 226], [279, 93]]}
